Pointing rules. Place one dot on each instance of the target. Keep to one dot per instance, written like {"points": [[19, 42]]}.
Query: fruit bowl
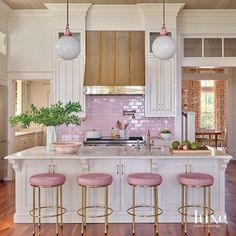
{"points": [[67, 147]]}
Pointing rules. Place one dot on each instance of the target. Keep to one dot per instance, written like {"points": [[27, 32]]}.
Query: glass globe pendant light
{"points": [[67, 46], [164, 46]]}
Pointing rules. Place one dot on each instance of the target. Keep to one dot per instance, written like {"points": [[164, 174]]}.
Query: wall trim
{"points": [[39, 75]]}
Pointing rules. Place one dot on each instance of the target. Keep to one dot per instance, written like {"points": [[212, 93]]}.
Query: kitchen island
{"points": [[119, 161]]}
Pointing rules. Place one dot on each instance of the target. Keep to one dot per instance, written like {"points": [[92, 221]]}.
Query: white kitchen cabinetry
{"points": [[160, 88], [169, 170], [120, 193], [28, 169], [119, 162], [27, 140], [69, 79], [70, 168]]}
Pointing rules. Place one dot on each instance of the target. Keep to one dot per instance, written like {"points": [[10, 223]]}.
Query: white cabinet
{"points": [[169, 169], [28, 169], [160, 88], [70, 168], [71, 190], [69, 79], [120, 193]]}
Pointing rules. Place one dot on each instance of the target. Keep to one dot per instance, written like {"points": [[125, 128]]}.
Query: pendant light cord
{"points": [[67, 14], [163, 8]]}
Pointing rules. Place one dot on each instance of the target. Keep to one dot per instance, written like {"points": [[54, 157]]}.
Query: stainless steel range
{"points": [[109, 141]]}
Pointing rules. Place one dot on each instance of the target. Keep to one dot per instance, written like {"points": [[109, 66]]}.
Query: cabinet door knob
{"points": [[122, 169], [117, 169]]}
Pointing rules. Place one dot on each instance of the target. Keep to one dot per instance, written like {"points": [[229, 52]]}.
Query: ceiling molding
{"points": [[189, 4]]}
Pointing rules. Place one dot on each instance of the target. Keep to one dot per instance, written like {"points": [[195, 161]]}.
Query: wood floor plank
{"points": [[8, 228]]}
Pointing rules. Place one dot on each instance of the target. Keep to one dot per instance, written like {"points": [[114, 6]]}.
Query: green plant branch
{"points": [[55, 115]]}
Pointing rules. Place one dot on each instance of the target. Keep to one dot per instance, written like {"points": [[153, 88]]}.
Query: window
{"points": [[2, 43], [207, 104]]}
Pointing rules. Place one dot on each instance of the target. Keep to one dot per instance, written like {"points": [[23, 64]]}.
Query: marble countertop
{"points": [[18, 133], [92, 152]]}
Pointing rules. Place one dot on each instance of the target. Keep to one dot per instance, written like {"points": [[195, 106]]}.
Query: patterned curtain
{"points": [[220, 105], [191, 98]]}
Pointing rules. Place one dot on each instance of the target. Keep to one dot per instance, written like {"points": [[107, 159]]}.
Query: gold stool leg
{"points": [[85, 205], [156, 208], [57, 193], [133, 225], [204, 206], [209, 210], [61, 206], [39, 203], [33, 210], [82, 218], [106, 209], [182, 199], [186, 210]]}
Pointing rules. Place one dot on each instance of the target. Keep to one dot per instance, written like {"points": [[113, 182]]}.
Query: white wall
{"points": [[4, 12], [31, 41]]}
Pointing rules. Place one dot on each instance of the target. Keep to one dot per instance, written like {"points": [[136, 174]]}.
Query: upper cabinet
{"points": [[160, 75], [115, 58], [69, 74], [160, 88], [69, 78], [160, 83]]}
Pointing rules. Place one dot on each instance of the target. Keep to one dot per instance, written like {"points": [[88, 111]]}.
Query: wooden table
{"points": [[210, 133]]}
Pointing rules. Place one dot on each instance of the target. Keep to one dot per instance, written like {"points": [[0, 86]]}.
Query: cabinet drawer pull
{"points": [[117, 169], [122, 169]]}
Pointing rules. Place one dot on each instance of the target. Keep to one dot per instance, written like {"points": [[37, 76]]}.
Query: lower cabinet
{"points": [[170, 197], [120, 193], [71, 191], [29, 140]]}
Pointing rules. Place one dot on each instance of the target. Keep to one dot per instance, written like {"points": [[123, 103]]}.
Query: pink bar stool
{"points": [[47, 180], [94, 180], [150, 180], [196, 180]]}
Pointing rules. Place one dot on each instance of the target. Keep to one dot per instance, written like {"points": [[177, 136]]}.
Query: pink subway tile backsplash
{"points": [[102, 113]]}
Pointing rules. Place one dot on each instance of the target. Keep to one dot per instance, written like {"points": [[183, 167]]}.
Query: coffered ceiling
{"points": [[189, 4]]}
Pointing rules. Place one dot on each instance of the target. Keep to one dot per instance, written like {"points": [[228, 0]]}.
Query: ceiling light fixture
{"points": [[164, 46], [67, 46]]}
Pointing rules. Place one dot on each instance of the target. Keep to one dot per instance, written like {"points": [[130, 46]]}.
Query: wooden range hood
{"points": [[115, 62]]}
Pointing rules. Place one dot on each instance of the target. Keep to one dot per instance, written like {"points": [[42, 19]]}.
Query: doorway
{"points": [[204, 91]]}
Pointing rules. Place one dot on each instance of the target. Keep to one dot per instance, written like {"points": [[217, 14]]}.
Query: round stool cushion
{"points": [[196, 179], [47, 180], [95, 180], [144, 179]]}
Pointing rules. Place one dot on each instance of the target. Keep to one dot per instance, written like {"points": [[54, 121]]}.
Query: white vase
{"points": [[51, 137]]}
